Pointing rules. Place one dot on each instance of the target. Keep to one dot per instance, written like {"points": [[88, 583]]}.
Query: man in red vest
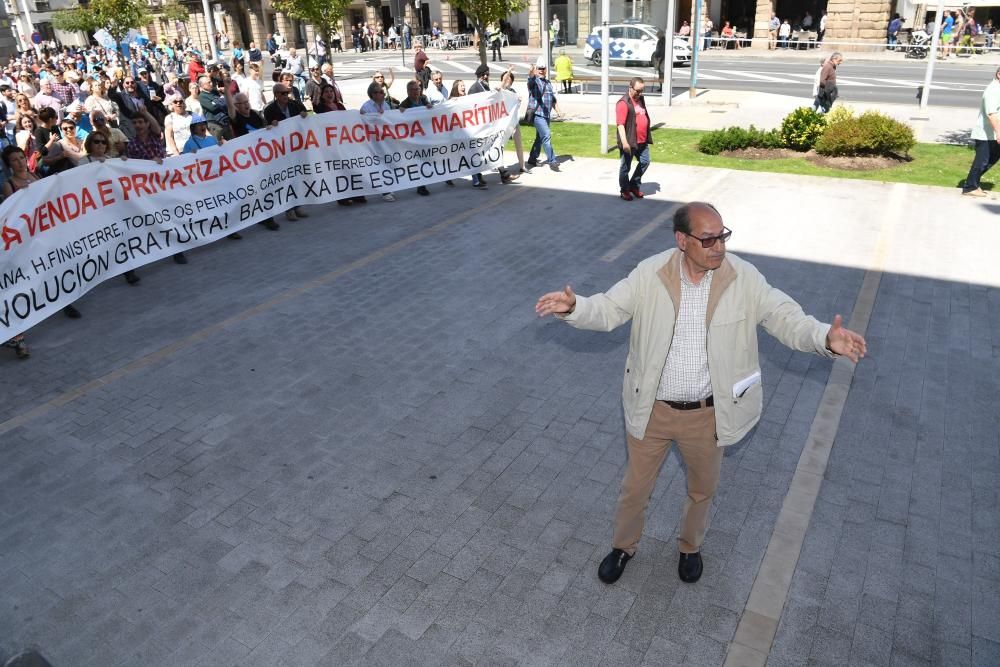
{"points": [[634, 139]]}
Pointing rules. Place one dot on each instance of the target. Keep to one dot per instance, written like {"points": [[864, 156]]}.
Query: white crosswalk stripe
{"points": [[740, 74]]}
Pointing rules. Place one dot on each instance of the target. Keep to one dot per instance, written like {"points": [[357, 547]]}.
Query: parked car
{"points": [[632, 43]]}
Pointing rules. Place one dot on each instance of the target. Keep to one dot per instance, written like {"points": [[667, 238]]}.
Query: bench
{"points": [[585, 80]]}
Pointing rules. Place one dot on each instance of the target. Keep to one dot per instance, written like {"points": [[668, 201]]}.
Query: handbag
{"points": [[529, 117]]}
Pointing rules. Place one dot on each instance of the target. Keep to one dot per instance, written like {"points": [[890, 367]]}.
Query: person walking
{"points": [[692, 374], [772, 32], [542, 101], [892, 32], [482, 85], [634, 139], [986, 137], [421, 67], [827, 93]]}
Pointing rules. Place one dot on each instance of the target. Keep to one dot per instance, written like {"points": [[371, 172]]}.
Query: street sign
{"points": [[36, 37]]}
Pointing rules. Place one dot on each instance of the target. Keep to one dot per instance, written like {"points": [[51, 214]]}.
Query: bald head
{"points": [[686, 214]]}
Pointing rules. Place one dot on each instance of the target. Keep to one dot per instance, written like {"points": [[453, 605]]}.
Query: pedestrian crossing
{"points": [[465, 67]]}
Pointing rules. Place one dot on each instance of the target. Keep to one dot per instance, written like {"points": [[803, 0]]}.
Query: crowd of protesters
{"points": [[69, 107]]}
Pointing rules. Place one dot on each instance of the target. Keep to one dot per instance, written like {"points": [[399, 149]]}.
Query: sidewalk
{"points": [[352, 442]]}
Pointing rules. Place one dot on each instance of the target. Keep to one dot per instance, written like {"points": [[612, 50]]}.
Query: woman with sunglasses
{"points": [[95, 148], [22, 104], [177, 125], [507, 83], [379, 78], [99, 101], [117, 141], [71, 148]]}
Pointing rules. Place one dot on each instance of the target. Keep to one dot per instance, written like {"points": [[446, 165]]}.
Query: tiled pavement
{"points": [[402, 465]]}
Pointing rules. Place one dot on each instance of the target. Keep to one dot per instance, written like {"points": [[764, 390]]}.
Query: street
{"points": [[955, 83]]}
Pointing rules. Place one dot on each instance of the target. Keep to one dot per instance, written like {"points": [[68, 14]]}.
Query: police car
{"points": [[632, 43]]}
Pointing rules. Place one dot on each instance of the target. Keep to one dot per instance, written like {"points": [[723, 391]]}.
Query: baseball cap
{"points": [[198, 118]]}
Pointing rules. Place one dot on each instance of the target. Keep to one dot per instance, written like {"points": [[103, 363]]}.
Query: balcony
{"points": [[42, 6]]}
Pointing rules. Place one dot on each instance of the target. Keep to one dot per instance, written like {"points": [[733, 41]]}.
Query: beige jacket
{"points": [[738, 301]]}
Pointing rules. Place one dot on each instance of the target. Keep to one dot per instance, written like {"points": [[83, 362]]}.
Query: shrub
{"points": [[838, 113], [871, 133], [738, 138], [801, 128]]}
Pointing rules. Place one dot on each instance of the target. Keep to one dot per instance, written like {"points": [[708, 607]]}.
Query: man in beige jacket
{"points": [[692, 375]]}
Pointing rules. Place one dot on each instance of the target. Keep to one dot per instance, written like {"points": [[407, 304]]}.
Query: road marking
{"points": [[738, 74], [213, 329], [694, 195], [854, 82], [758, 623], [460, 67]]}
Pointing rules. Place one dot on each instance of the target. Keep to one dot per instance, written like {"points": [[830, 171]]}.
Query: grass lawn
{"points": [[932, 164]]}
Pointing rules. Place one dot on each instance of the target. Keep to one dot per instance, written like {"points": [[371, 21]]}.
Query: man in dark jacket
{"points": [[482, 85], [826, 92], [283, 106], [634, 139]]}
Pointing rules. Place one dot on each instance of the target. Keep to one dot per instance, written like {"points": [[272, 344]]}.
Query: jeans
{"points": [[987, 155], [543, 139], [642, 157]]}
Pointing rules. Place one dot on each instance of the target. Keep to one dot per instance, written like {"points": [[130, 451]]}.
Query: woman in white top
{"points": [[192, 102], [99, 101], [176, 126]]}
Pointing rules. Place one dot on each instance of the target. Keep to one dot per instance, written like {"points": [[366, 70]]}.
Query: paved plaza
{"points": [[352, 442]]}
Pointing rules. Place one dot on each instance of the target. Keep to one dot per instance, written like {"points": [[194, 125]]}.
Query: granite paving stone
{"points": [[400, 464]]}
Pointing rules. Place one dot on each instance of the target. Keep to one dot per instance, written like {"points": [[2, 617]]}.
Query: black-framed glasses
{"points": [[709, 241]]}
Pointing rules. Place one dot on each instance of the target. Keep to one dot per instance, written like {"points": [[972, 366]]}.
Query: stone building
{"points": [[253, 20]]}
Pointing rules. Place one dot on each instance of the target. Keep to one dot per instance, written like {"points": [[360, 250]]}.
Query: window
{"points": [[616, 32]]}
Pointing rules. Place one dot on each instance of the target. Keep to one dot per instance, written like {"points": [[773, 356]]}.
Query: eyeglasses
{"points": [[98, 141], [69, 128], [709, 241]]}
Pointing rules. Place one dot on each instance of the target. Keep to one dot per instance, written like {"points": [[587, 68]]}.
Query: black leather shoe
{"points": [[612, 566], [132, 278], [423, 191], [270, 224], [71, 312], [179, 258], [689, 568]]}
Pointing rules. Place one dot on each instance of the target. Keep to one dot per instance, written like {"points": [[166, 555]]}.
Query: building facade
{"points": [[244, 21]]}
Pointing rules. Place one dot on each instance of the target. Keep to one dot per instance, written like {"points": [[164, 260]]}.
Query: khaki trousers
{"points": [[694, 433]]}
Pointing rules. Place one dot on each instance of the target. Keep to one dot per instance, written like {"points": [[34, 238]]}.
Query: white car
{"points": [[632, 43]]}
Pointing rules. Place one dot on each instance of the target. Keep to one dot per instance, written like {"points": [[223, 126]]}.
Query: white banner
{"points": [[66, 234]]}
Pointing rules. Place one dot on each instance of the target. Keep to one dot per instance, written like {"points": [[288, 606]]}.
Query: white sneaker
{"points": [[388, 196]]}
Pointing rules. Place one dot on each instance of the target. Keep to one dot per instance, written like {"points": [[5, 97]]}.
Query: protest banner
{"points": [[65, 234]]}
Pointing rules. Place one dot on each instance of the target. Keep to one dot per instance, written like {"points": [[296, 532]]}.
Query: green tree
{"points": [[484, 12], [115, 16], [324, 15]]}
